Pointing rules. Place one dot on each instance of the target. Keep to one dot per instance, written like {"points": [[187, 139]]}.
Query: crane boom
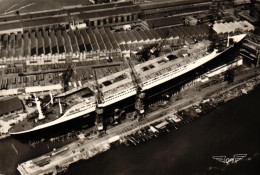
{"points": [[67, 75], [139, 94], [99, 100], [135, 78]]}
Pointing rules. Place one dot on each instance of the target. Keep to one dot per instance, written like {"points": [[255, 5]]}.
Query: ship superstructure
{"points": [[119, 86]]}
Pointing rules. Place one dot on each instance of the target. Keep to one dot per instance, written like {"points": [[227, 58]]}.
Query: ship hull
{"points": [[155, 92]]}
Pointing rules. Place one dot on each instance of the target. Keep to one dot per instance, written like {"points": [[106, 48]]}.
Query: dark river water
{"points": [[233, 128]]}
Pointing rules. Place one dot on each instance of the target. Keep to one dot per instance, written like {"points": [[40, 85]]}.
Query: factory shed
{"points": [[189, 31], [54, 44], [34, 44], [19, 45], [4, 47], [40, 43], [112, 39], [178, 31], [164, 22], [73, 41], [160, 33], [184, 31], [131, 36], [155, 34], [106, 40], [100, 42], [60, 42], [150, 35], [86, 40], [10, 105], [80, 40], [11, 50], [196, 30], [134, 42], [143, 35], [93, 41], [137, 36], [46, 38], [68, 48], [33, 89], [119, 38], [232, 27], [173, 34], [122, 48], [27, 47], [125, 37]]}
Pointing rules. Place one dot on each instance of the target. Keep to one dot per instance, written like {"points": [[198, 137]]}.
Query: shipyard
{"points": [[80, 78]]}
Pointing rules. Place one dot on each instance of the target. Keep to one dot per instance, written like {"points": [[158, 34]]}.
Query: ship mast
{"points": [[38, 105]]}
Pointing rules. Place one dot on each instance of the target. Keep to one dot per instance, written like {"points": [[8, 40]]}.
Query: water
{"points": [[230, 129]]}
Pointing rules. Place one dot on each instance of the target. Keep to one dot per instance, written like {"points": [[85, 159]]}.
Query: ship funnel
{"points": [[51, 97], [38, 105]]}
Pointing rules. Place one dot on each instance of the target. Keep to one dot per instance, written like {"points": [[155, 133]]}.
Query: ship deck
{"points": [[52, 113], [155, 67]]}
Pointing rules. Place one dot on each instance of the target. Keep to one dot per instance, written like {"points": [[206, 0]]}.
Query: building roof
{"points": [[137, 35], [42, 88], [119, 38], [66, 15], [10, 105], [169, 3], [125, 37], [93, 41], [143, 35], [155, 34], [60, 42], [165, 21], [86, 39], [73, 41], [232, 26], [27, 48], [67, 42], [19, 45], [79, 40], [99, 39], [149, 34], [131, 36], [112, 38]]}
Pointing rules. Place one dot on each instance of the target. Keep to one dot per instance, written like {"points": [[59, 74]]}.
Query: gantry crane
{"points": [[155, 50], [99, 100], [139, 106], [67, 76]]}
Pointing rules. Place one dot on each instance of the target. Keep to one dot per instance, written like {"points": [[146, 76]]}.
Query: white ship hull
{"points": [[131, 91]]}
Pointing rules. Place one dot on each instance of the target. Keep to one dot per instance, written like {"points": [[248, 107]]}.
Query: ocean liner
{"points": [[119, 86]]}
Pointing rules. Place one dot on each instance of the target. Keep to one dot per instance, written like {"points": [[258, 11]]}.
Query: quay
{"points": [[59, 159]]}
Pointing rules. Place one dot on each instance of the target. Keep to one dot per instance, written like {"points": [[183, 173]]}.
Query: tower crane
{"points": [[99, 100], [139, 106]]}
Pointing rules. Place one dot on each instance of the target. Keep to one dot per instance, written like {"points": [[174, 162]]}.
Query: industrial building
{"points": [[51, 47], [108, 14], [10, 105]]}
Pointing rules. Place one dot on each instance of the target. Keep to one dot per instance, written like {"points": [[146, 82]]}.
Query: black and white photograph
{"points": [[129, 87]]}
